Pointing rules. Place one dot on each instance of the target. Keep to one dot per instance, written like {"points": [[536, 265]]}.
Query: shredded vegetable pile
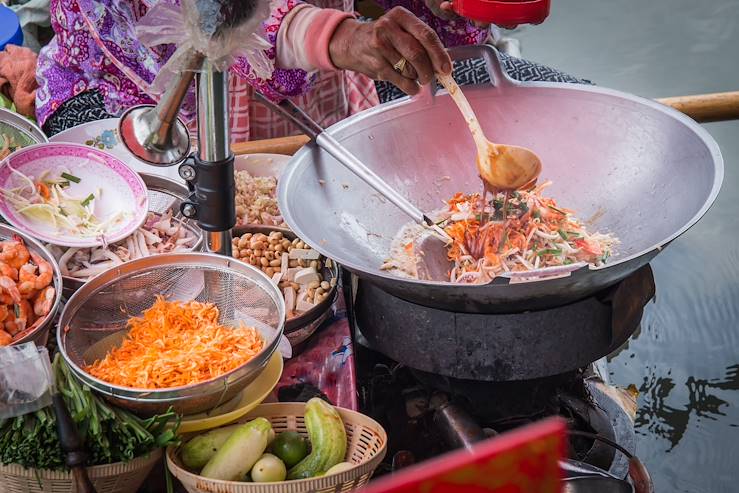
{"points": [[48, 200], [523, 232], [176, 344]]}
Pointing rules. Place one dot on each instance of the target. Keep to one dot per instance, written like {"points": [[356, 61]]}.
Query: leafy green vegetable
{"points": [[110, 434], [6, 103]]}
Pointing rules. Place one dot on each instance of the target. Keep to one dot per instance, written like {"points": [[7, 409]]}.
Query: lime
{"points": [[268, 469], [290, 446]]}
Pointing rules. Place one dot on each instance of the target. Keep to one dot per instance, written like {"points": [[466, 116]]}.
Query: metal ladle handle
{"points": [[326, 142]]}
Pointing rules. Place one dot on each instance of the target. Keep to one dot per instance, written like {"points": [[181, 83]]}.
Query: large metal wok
{"points": [[629, 165]]}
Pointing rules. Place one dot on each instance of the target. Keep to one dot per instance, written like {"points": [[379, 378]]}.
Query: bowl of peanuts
{"points": [[307, 280]]}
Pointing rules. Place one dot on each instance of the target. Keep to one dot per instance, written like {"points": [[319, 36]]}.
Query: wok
{"points": [[625, 164]]}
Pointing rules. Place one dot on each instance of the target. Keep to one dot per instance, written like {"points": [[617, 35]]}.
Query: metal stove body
{"points": [[502, 347], [459, 377]]}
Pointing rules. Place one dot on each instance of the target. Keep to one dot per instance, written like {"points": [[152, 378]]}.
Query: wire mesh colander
{"points": [[95, 320], [164, 195]]}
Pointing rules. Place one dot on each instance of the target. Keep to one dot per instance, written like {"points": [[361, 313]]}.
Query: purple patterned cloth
{"points": [[455, 32], [95, 49]]}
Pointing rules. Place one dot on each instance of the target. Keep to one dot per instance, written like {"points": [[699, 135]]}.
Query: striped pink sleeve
{"points": [[304, 36]]}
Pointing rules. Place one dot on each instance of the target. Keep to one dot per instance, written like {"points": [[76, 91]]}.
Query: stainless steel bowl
{"points": [[95, 319], [41, 333], [164, 194], [300, 327], [22, 125], [627, 165]]}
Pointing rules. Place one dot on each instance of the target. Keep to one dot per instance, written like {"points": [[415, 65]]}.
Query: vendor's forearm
{"points": [[304, 35]]}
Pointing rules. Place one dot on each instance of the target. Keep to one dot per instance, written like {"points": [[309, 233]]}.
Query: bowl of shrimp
{"points": [[30, 289]]}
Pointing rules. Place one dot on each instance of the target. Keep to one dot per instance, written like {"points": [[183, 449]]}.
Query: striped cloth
{"points": [[357, 93]]}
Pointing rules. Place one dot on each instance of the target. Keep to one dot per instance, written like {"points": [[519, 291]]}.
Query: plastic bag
{"points": [[25, 379], [221, 30]]}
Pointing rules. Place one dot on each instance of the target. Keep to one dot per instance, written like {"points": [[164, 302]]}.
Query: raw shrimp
{"points": [[9, 287], [14, 253], [5, 338], [44, 301], [29, 280], [19, 318]]}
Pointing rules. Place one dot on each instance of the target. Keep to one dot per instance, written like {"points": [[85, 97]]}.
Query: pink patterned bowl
{"points": [[116, 188]]}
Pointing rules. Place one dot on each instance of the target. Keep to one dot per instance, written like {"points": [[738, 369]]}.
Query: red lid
{"points": [[503, 12]]}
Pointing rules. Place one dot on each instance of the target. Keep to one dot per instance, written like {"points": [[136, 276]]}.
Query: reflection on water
{"points": [[656, 417], [685, 359]]}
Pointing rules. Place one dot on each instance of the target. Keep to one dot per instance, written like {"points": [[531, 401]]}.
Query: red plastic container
{"points": [[503, 12]]}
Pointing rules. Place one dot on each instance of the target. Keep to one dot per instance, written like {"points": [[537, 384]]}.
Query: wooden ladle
{"points": [[502, 167]]}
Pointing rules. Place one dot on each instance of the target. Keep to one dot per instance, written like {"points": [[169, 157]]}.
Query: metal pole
{"points": [[213, 137]]}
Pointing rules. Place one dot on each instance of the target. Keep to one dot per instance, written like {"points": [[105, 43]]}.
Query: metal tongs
{"points": [[432, 262], [329, 144]]}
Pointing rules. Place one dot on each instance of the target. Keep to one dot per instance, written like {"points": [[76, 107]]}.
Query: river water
{"points": [[685, 359]]}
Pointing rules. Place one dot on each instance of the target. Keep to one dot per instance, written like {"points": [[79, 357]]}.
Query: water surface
{"points": [[685, 360]]}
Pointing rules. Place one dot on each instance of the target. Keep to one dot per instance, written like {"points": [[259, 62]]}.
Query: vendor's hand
{"points": [[374, 48]]}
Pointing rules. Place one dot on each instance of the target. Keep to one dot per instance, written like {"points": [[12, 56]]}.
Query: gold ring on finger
{"points": [[400, 66]]}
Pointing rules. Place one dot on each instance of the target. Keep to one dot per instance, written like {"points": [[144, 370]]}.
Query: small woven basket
{"points": [[121, 477], [366, 447]]}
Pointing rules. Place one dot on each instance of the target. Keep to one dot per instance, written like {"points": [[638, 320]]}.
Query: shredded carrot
{"points": [[518, 233], [174, 344], [43, 190]]}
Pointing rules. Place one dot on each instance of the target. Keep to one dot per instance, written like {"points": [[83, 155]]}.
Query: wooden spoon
{"points": [[502, 167]]}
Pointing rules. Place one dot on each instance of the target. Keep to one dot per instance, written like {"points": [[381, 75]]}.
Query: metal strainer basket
{"points": [[95, 320], [164, 194]]}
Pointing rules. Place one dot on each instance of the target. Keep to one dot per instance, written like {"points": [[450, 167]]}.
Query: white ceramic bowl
{"points": [[120, 189], [262, 164], [103, 135]]}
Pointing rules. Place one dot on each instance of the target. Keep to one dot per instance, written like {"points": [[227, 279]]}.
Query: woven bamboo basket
{"points": [[366, 447], [121, 477]]}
